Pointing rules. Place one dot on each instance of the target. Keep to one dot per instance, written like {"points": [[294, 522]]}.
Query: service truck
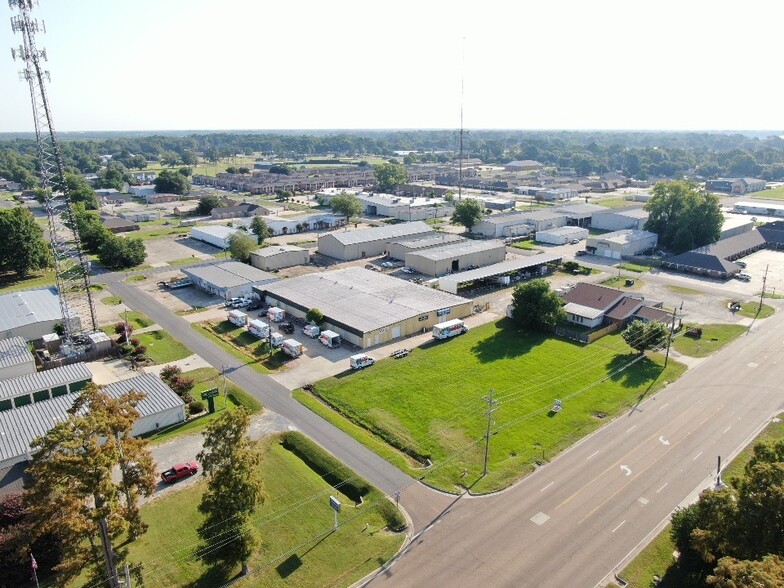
{"points": [[259, 328], [237, 317], [311, 330], [277, 340], [449, 329], [292, 347], [360, 360], [275, 314], [330, 339]]}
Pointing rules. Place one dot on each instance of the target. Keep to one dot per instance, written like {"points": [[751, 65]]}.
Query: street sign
{"points": [[334, 503], [211, 393]]}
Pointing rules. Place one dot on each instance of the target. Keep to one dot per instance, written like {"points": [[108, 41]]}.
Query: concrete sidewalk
{"points": [[192, 362]]}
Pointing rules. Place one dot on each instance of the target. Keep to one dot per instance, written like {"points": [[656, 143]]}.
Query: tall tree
{"points": [[23, 247], [346, 204], [535, 307], [74, 494], [732, 573], [119, 253], [91, 231], [171, 182], [389, 175], [207, 203], [684, 216], [231, 461], [259, 227], [641, 336], [79, 190], [467, 213], [241, 245], [115, 175]]}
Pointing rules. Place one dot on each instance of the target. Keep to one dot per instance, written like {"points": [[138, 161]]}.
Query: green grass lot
{"points": [[773, 295], [207, 378], [246, 347], [305, 244], [634, 267], [136, 278], [294, 525], [683, 290], [616, 202], [10, 282], [527, 245], [162, 347], [620, 282], [656, 558], [714, 337], [111, 300], [430, 403], [193, 310], [774, 193], [184, 260], [749, 310], [156, 233], [135, 318]]}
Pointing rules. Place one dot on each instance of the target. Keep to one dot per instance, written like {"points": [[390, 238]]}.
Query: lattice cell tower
{"points": [[71, 265]]}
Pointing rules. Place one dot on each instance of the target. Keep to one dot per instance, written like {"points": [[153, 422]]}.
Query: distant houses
{"points": [[735, 185]]}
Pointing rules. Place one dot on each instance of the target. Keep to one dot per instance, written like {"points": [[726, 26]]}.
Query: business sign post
{"points": [[209, 396], [335, 504]]}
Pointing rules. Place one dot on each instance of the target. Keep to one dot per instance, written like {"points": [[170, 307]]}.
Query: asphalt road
{"points": [[574, 520]]}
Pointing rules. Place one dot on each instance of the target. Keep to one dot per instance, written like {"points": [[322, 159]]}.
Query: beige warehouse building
{"points": [[399, 249], [349, 245], [279, 256], [366, 308], [456, 257]]}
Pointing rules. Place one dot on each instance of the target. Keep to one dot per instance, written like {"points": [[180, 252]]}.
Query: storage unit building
{"points": [[735, 225], [230, 279], [279, 256], [760, 208], [455, 257], [349, 245], [399, 249], [619, 218], [511, 224], [619, 243], [29, 314], [15, 358], [579, 215], [40, 386], [364, 307], [215, 235], [561, 235]]}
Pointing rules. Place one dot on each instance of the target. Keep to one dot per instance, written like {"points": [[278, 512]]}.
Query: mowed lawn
{"points": [[162, 347], [293, 525], [431, 402]]}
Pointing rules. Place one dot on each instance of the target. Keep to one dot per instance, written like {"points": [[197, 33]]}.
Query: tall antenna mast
{"points": [[462, 95], [71, 266]]}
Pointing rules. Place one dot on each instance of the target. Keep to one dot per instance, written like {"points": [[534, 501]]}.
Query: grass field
{"points": [[162, 347], [634, 267], [161, 232], [207, 378], [620, 282], [714, 337], [749, 310], [184, 260], [774, 193], [136, 278], [247, 348], [111, 300], [683, 290], [656, 558], [615, 202], [10, 282], [527, 245], [298, 546], [431, 405]]}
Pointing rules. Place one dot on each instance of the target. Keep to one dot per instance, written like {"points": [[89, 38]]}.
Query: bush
{"points": [[195, 407], [570, 266]]}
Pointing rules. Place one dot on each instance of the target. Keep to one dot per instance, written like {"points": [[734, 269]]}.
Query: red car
{"points": [[180, 470]]}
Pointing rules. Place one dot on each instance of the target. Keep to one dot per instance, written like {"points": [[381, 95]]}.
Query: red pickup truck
{"points": [[180, 470]]}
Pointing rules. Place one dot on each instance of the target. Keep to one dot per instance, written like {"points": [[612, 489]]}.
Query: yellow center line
{"points": [[670, 448]]}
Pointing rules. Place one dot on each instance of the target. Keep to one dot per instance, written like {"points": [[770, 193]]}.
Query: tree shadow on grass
{"points": [[507, 343], [644, 372], [215, 575]]}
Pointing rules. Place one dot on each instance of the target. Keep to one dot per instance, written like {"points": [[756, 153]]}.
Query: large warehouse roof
{"points": [[14, 351], [230, 274], [389, 232], [159, 396], [27, 307], [429, 241], [47, 379], [452, 282], [522, 216], [274, 250], [361, 298], [457, 249]]}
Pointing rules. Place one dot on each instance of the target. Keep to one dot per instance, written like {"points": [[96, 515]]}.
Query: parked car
{"points": [[180, 470], [741, 264], [743, 277], [581, 252], [254, 305], [575, 241], [286, 328]]}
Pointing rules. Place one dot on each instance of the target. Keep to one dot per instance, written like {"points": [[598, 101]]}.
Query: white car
{"points": [[743, 277]]}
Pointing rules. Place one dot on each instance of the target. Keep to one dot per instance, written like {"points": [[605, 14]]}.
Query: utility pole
{"points": [[762, 294], [669, 339], [492, 405], [126, 489]]}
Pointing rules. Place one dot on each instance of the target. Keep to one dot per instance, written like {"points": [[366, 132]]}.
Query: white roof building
{"points": [[29, 314]]}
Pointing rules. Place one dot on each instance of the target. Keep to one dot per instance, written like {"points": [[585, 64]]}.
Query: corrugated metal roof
{"points": [[230, 274], [67, 374], [430, 241], [583, 311], [362, 299], [630, 212], [273, 250], [497, 269], [378, 233], [581, 209], [14, 351], [159, 397], [457, 249], [522, 217], [624, 236], [27, 307]]}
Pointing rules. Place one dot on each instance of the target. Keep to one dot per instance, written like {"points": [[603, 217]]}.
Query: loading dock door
{"points": [[396, 332]]}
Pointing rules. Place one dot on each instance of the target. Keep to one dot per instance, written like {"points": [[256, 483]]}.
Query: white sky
{"points": [[343, 64]]}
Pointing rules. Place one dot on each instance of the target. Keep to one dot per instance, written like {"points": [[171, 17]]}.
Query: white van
{"points": [[311, 330], [360, 360], [330, 339]]}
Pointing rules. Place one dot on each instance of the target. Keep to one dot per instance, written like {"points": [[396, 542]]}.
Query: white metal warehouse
{"points": [[619, 243], [229, 279], [561, 235], [398, 249], [529, 266], [349, 245], [29, 314], [364, 307], [215, 235], [455, 257], [279, 256]]}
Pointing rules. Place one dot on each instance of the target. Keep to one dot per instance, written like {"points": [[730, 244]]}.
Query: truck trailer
{"points": [[449, 329]]}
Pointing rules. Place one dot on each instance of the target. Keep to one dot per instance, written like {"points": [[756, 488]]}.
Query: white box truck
{"points": [[292, 347], [330, 339], [311, 330], [238, 318], [276, 340], [259, 328], [275, 314], [360, 360], [449, 329]]}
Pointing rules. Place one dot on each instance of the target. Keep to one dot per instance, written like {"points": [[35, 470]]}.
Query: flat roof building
{"points": [[617, 244], [29, 314], [510, 224], [523, 267], [366, 308], [455, 257], [618, 219], [230, 279], [349, 245], [399, 249], [216, 235], [279, 256]]}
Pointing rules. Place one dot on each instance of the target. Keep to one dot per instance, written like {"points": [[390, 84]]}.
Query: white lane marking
{"points": [[631, 429], [663, 441], [727, 429], [618, 527], [626, 470], [696, 456], [662, 488], [546, 487], [594, 453], [663, 405]]}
